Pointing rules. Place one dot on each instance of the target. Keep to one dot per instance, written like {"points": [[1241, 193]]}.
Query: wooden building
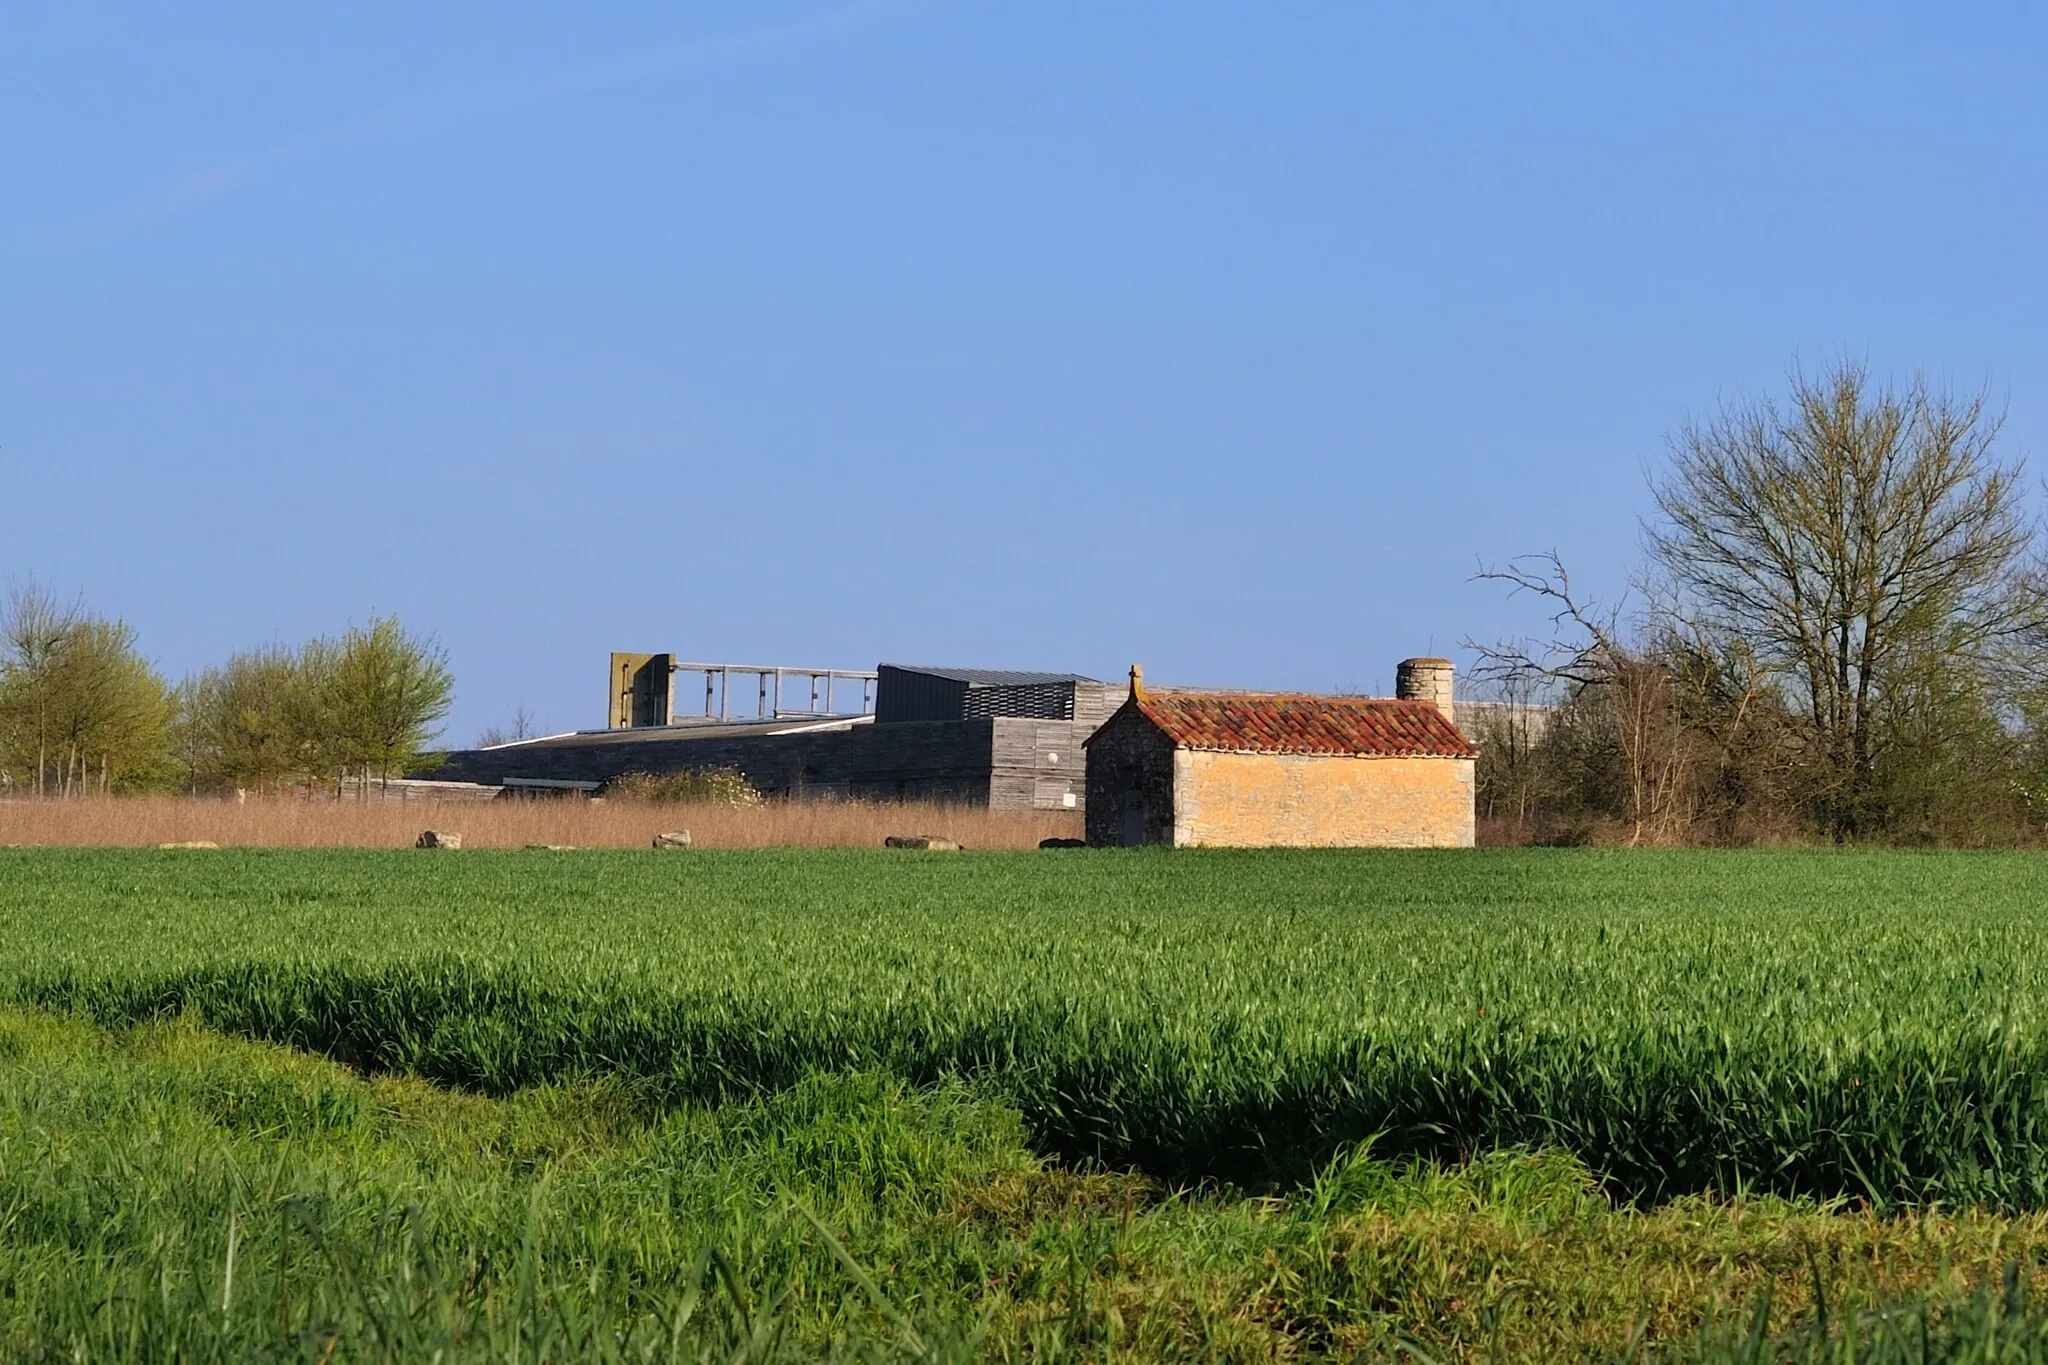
{"points": [[1267, 769], [922, 692], [1008, 740]]}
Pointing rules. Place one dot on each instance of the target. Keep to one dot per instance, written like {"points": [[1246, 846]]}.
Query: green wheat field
{"points": [[1144, 1105]]}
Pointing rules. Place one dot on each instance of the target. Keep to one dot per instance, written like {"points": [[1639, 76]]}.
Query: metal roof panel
{"points": [[990, 677]]}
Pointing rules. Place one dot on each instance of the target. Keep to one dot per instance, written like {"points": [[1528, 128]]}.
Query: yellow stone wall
{"points": [[1294, 800]]}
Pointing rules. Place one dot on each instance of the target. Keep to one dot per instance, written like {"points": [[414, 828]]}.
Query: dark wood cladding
{"points": [[904, 694], [926, 743], [1006, 763], [908, 694], [928, 761], [1034, 701]]}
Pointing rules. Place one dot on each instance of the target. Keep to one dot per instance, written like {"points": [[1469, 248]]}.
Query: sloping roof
{"points": [[686, 728], [1278, 723], [989, 677]]}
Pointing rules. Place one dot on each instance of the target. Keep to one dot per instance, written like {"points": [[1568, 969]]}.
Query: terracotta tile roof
{"points": [[1272, 723]]}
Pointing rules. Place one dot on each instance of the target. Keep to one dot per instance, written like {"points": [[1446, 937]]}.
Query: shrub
{"points": [[707, 786]]}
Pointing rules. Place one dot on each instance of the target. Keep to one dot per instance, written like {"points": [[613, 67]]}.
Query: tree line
{"points": [[83, 712], [1839, 631]]}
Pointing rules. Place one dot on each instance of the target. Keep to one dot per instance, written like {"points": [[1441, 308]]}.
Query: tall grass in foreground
{"points": [[2002, 1327], [145, 821], [1871, 1026], [166, 1194]]}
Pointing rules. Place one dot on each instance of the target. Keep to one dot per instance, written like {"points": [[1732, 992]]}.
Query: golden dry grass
{"points": [[295, 822]]}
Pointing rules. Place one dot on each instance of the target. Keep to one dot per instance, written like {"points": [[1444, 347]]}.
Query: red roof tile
{"points": [[1268, 723]]}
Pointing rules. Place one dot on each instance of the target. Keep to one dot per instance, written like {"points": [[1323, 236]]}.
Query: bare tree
{"points": [[1627, 694], [1853, 539], [523, 726], [1507, 724]]}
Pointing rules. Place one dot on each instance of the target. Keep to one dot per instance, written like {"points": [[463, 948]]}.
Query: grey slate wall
{"points": [[1130, 768]]}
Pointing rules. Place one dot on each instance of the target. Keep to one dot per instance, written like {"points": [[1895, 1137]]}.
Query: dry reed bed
{"points": [[145, 821]]}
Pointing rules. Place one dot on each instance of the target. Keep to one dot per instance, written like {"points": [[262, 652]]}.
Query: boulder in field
{"points": [[439, 838], [929, 842], [675, 838]]}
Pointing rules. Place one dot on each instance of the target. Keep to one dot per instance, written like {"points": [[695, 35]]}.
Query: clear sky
{"points": [[1226, 338]]}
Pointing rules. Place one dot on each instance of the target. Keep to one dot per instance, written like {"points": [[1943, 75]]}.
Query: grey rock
{"points": [[929, 842]]}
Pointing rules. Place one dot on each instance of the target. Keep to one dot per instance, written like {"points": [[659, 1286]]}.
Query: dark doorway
{"points": [[1134, 826]]}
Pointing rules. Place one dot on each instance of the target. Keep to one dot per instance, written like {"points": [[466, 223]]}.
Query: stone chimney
{"points": [[1426, 680]]}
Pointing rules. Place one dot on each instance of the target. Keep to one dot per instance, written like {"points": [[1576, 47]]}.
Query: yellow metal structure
{"points": [[641, 691]]}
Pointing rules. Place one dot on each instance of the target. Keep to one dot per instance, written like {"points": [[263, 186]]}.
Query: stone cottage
{"points": [[1265, 769]]}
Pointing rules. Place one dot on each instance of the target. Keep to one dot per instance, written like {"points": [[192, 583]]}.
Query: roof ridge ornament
{"points": [[1138, 682]]}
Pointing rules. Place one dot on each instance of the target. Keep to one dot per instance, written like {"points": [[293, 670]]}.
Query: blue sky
{"points": [[1225, 338]]}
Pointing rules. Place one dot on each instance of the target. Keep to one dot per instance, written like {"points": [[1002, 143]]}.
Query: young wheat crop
{"points": [[1868, 1025]]}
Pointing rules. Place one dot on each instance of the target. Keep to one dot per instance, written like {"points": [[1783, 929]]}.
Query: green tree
{"points": [[360, 707], [116, 712], [377, 696], [80, 709], [32, 634], [242, 724]]}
